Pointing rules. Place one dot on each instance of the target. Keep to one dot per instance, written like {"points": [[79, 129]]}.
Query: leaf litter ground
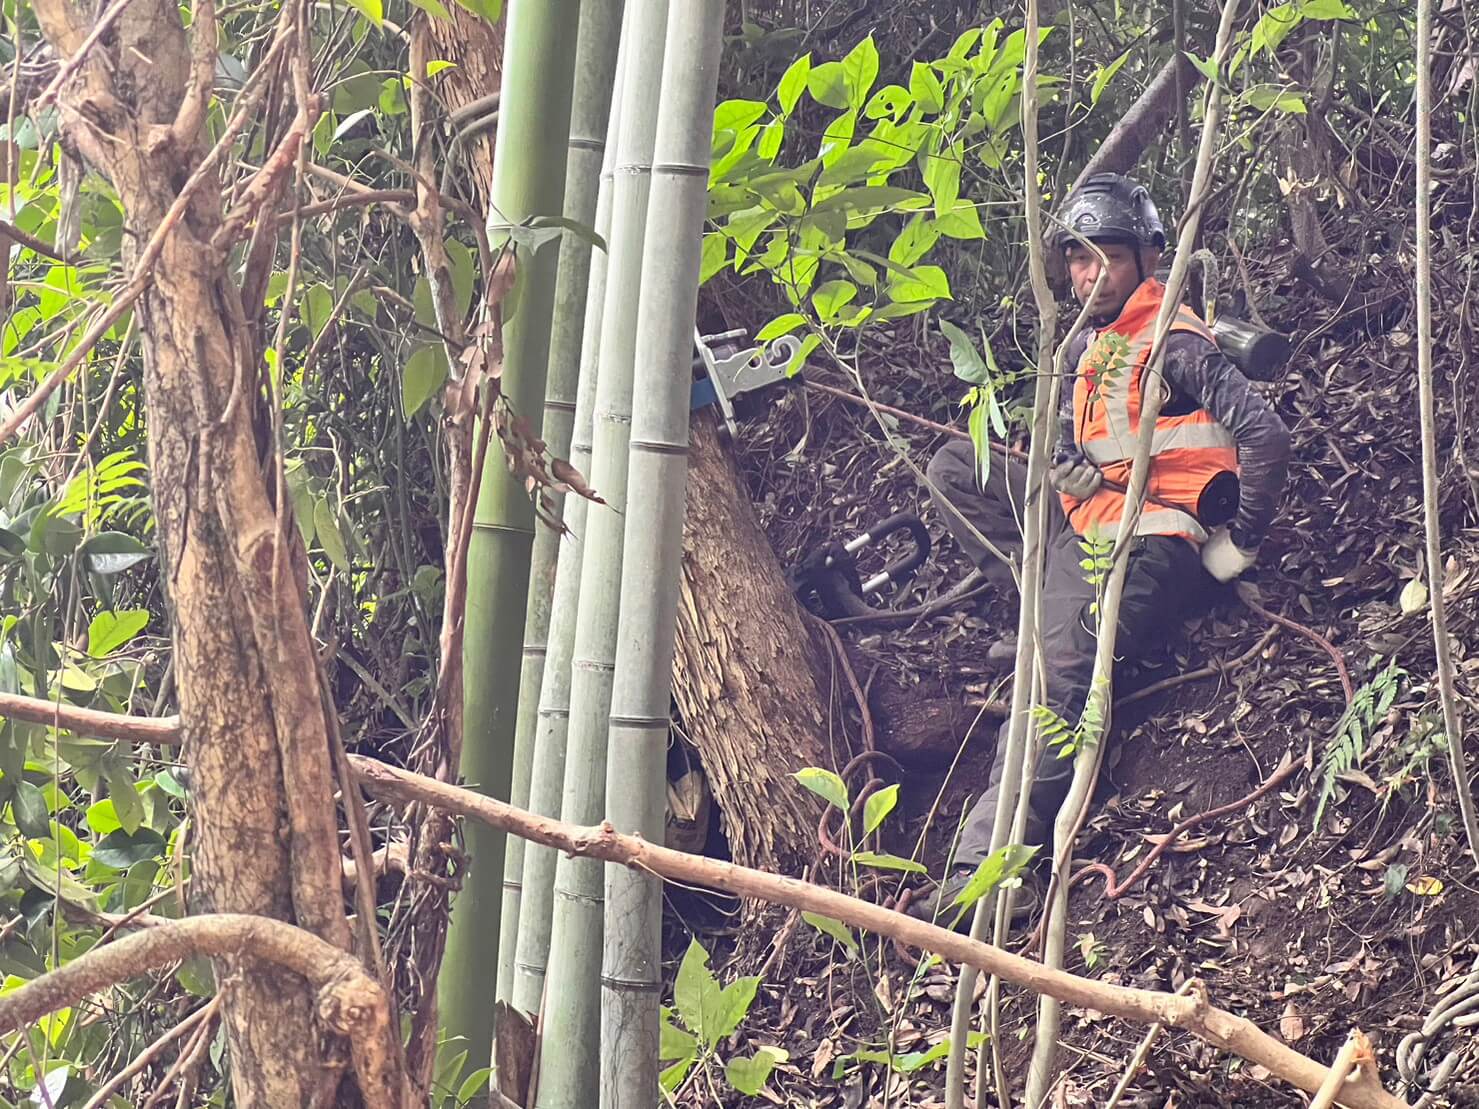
{"points": [[1363, 923]]}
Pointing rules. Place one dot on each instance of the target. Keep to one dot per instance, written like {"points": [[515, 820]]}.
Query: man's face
{"points": [[1121, 277]]}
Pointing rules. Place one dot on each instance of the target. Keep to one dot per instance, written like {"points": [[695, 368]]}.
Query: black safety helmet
{"points": [[1109, 208]]}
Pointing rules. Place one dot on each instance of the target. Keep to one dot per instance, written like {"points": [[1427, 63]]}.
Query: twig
{"points": [[1193, 1012], [180, 1071], [31, 242], [152, 1052], [1431, 522], [1115, 891], [143, 269], [1142, 1052]]}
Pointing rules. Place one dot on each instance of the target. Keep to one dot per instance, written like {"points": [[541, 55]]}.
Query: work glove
{"points": [[1074, 475], [1223, 558]]}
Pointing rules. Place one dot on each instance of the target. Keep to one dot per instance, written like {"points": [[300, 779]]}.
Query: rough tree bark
{"points": [[252, 713], [747, 674]]}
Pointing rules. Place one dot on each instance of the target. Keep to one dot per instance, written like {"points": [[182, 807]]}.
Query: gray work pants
{"points": [[1164, 580]]}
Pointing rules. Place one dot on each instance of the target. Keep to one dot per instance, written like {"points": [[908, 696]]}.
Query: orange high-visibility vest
{"points": [[1188, 451]]}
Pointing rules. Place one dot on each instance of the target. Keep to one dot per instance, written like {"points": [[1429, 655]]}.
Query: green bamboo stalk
{"points": [[569, 1073], [548, 780], [595, 68], [528, 180], [636, 779]]}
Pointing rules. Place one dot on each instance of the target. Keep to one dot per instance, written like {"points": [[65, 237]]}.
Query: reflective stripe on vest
{"points": [[1187, 451]]}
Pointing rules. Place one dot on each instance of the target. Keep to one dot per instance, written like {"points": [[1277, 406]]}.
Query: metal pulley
{"points": [[827, 579]]}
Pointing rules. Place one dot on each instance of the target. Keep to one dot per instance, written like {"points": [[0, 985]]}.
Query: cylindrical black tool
{"points": [[1257, 351]]}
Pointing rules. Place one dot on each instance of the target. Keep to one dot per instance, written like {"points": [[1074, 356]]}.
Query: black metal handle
{"points": [[905, 567]]}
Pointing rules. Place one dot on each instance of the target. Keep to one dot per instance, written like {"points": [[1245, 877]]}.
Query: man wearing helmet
{"points": [[1211, 426]]}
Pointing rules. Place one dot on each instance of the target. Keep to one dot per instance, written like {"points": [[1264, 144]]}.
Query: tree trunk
{"points": [[253, 716], [749, 678]]}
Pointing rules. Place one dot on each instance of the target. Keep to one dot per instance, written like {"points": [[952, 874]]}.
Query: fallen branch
{"points": [[1193, 1012], [349, 1001]]}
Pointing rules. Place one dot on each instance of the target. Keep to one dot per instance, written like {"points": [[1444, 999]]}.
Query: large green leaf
{"points": [[28, 804], [424, 373], [793, 83], [120, 850], [111, 630], [995, 869], [888, 862], [748, 1074], [877, 808], [112, 552], [825, 784]]}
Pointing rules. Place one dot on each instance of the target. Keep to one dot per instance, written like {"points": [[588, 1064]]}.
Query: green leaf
{"points": [[1102, 78], [877, 808], [781, 325], [889, 102], [424, 373], [888, 862], [102, 818], [736, 115], [962, 222], [1276, 98], [437, 65], [915, 241], [827, 84], [672, 1077], [749, 1074], [111, 630], [715, 254], [1207, 67], [771, 138], [942, 178], [127, 805], [926, 88], [859, 71], [831, 297], [870, 198], [825, 784], [675, 1042], [970, 367], [798, 360], [793, 83], [923, 283], [373, 10], [732, 1006], [330, 537], [167, 782], [54, 535], [317, 307], [695, 990], [834, 928], [112, 552], [120, 850], [473, 1084], [392, 98], [28, 804], [995, 869], [464, 273], [1326, 9]]}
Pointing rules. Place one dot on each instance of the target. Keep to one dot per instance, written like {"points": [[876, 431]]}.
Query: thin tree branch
{"points": [[350, 1002], [161, 730], [1193, 1012], [152, 1052], [1431, 523]]}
